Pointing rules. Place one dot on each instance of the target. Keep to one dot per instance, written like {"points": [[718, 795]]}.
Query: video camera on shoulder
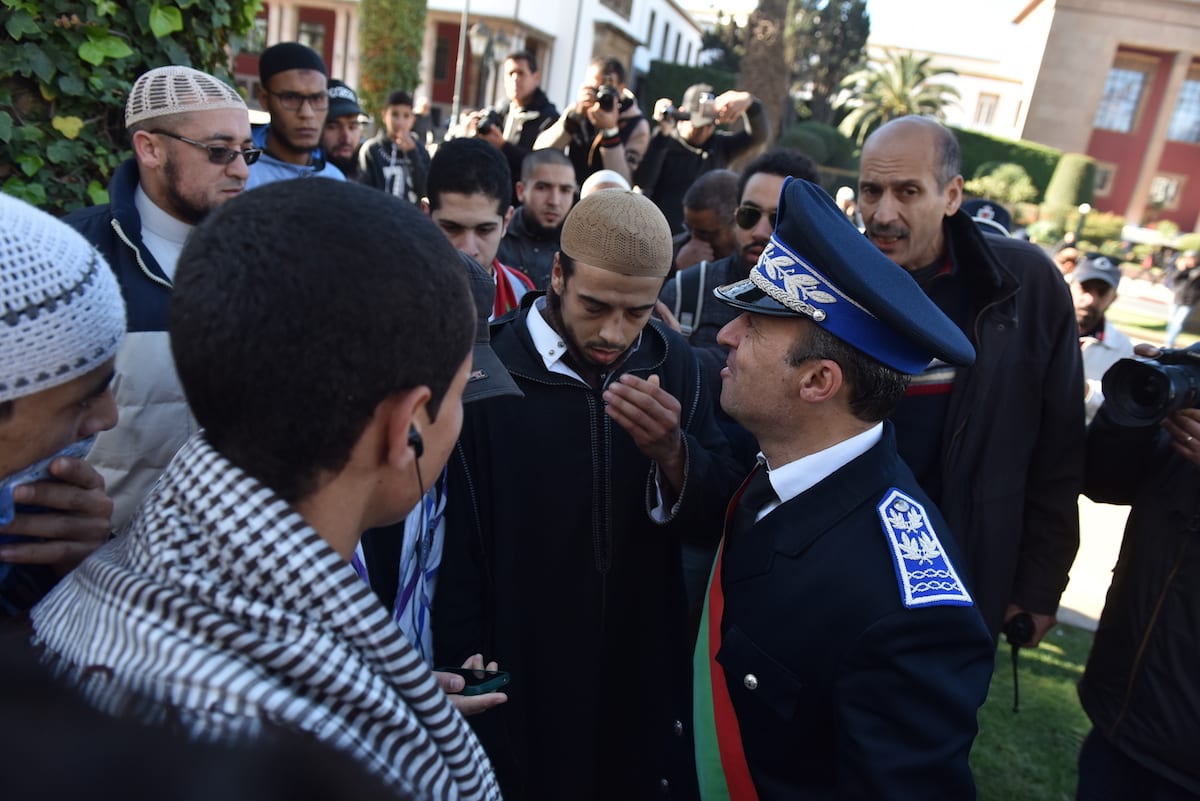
{"points": [[1142, 392], [490, 119]]}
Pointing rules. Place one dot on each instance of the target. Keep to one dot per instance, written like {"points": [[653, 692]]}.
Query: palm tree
{"points": [[900, 86]]}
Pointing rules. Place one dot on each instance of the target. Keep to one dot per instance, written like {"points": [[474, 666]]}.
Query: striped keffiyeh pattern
{"points": [[223, 612]]}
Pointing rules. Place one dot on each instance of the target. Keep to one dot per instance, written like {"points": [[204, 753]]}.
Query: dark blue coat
{"points": [[855, 695]]}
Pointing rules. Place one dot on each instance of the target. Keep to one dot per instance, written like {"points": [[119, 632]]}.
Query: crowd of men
{"points": [[740, 499]]}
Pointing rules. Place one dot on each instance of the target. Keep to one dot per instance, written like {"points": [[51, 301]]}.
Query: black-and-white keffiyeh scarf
{"points": [[223, 612]]}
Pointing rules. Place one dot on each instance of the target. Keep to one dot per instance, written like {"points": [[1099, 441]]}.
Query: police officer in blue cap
{"points": [[840, 654]]}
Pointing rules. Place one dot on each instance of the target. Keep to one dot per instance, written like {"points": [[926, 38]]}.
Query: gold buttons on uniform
{"points": [[750, 682]]}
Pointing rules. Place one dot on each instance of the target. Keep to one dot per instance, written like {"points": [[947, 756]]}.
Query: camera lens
{"points": [[1140, 393]]}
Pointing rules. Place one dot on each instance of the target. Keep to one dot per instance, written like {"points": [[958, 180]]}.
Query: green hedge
{"points": [[978, 149]]}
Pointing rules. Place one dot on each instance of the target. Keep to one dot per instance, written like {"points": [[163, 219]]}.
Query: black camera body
{"points": [[674, 113], [606, 97], [491, 119], [1141, 393]]}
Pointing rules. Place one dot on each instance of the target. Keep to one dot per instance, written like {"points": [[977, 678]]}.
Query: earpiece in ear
{"points": [[415, 442]]}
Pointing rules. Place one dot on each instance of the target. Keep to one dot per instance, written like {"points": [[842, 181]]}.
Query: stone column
{"points": [[1158, 138]]}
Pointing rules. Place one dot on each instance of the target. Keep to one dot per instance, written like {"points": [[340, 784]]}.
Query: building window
{"points": [[678, 44], [1185, 121], [650, 30], [256, 37], [622, 7], [312, 34], [1166, 191], [985, 109], [1017, 115], [441, 59], [1122, 94], [662, 50], [688, 58], [1105, 174]]}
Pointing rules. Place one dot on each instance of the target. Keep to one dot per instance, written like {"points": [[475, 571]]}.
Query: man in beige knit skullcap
{"points": [[566, 512], [190, 134]]}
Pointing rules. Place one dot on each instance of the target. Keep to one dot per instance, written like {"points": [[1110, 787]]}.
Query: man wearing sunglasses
{"points": [[294, 88], [192, 151]]}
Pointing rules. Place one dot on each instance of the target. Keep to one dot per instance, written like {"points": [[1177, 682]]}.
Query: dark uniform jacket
{"points": [[530, 248], [1013, 437], [1141, 687], [855, 695], [554, 567], [531, 119], [671, 165]]}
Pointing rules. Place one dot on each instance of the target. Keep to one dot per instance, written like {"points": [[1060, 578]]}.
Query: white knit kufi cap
{"points": [[61, 313], [175, 90]]}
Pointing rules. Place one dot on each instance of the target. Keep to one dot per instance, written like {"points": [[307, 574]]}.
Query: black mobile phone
{"points": [[478, 681]]}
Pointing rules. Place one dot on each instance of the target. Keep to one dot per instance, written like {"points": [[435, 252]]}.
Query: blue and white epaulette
{"points": [[924, 571]]}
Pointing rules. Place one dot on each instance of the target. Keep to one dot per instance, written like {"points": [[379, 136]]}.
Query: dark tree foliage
{"points": [[728, 40], [826, 40]]}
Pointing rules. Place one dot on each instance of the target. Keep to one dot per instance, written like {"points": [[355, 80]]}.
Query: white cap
{"points": [[175, 90], [61, 313]]}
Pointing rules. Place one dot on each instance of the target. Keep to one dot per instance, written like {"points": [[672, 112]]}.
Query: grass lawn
{"points": [[1031, 755]]}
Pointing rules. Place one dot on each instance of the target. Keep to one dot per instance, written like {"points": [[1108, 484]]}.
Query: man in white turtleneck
{"points": [[190, 135]]}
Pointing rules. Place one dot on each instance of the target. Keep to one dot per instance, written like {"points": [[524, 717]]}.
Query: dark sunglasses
{"points": [[218, 154], [747, 217], [292, 101]]}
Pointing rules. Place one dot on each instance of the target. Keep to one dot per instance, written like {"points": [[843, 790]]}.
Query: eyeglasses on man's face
{"points": [[217, 154], [292, 101], [748, 216]]}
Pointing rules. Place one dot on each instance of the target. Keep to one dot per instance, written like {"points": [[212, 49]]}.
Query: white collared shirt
{"points": [[791, 479]]}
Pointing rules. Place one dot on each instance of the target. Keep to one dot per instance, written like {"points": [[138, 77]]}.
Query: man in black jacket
{"points": [[687, 143], [563, 530], [1140, 688], [525, 114], [998, 446]]}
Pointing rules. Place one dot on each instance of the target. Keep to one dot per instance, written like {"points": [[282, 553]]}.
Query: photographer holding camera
{"points": [[1141, 687], [687, 143], [605, 128]]}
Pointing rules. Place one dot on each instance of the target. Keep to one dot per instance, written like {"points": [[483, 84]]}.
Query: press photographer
{"points": [[1141, 687], [687, 143]]}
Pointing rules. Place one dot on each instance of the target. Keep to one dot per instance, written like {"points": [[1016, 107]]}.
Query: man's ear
{"points": [[507, 217], [520, 191], [954, 195], [149, 150], [405, 412], [556, 276], [820, 380]]}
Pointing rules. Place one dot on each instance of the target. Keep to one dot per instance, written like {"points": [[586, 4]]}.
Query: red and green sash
{"points": [[720, 761]]}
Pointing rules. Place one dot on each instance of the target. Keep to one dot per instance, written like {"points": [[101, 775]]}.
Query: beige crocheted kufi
{"points": [[175, 90], [622, 232]]}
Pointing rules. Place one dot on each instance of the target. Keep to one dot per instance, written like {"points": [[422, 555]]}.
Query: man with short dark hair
{"points": [[562, 547], [998, 447], [192, 152], [469, 199], [525, 114], [1094, 288], [293, 87], [342, 134], [63, 321], [230, 607], [395, 160], [547, 191], [687, 143], [871, 687], [708, 207]]}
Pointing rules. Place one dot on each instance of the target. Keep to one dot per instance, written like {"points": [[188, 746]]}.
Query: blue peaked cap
{"points": [[817, 265]]}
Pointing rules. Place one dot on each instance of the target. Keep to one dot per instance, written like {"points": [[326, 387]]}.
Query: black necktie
{"points": [[758, 493]]}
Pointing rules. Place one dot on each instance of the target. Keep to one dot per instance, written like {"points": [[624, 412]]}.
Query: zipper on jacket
{"points": [[137, 253]]}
